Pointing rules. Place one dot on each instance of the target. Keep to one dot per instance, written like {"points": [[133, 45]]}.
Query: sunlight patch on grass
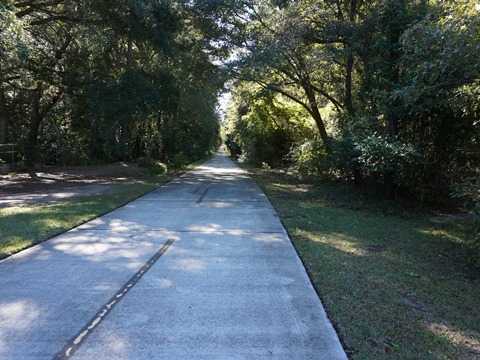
{"points": [[24, 226], [386, 275], [443, 233], [450, 334], [338, 241]]}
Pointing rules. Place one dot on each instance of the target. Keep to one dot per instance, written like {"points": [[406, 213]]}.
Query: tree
{"points": [[14, 50], [440, 94], [281, 61], [380, 78], [104, 79]]}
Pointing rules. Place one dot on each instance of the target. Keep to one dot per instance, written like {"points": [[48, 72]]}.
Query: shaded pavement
{"points": [[200, 268]]}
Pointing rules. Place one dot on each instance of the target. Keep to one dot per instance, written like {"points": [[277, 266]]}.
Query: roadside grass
{"points": [[24, 226], [392, 281]]}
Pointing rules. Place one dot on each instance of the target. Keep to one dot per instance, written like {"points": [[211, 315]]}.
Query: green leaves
{"points": [[123, 78], [380, 154], [14, 40], [440, 61]]}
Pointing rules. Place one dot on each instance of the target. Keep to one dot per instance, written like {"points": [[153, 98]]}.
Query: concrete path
{"points": [[200, 268]]}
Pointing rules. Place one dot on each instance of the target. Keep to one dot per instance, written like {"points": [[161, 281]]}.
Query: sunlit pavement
{"points": [[200, 268]]}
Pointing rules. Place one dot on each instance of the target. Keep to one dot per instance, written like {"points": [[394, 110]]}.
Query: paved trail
{"points": [[200, 268]]}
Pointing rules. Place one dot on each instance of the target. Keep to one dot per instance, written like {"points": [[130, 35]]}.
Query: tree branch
{"points": [[284, 93], [32, 6], [336, 103]]}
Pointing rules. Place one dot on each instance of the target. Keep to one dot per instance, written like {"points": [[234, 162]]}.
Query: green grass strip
{"points": [[24, 226], [392, 281]]}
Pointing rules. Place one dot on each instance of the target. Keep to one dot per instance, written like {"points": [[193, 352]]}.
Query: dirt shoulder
{"points": [[54, 184]]}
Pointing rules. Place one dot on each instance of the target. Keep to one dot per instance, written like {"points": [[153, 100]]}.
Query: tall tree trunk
{"points": [[35, 119], [395, 33], [350, 60], [38, 114], [348, 85], [129, 52], [3, 113], [315, 112], [124, 130], [391, 114], [116, 49], [3, 117]]}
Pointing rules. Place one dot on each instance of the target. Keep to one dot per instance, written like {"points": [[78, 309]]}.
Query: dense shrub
{"points": [[154, 166], [179, 161], [310, 158], [381, 155], [259, 143]]}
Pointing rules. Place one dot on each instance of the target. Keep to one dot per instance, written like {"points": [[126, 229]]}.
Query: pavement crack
{"points": [[73, 345], [203, 195]]}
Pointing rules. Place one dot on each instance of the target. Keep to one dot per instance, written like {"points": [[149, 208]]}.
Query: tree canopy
{"points": [[378, 91], [107, 80], [389, 90]]}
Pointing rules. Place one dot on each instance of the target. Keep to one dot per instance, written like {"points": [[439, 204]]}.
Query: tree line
{"points": [[378, 92], [84, 81], [383, 92]]}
